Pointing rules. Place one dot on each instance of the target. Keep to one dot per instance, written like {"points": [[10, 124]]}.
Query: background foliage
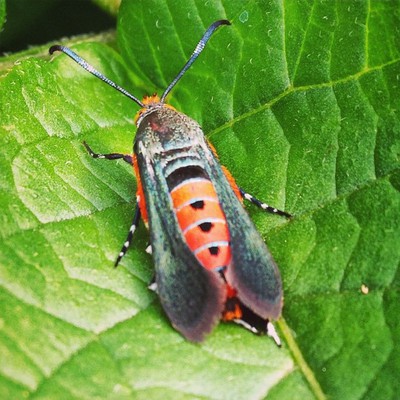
{"points": [[301, 100]]}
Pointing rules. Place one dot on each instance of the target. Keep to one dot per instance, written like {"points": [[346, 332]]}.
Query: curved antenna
{"points": [[199, 48], [93, 71]]}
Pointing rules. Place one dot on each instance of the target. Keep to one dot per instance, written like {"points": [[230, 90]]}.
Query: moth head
{"points": [[150, 104]]}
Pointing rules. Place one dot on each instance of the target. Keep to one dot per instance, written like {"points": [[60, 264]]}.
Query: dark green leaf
{"points": [[301, 100], [2, 12]]}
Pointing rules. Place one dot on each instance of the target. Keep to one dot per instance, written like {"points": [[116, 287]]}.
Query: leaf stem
{"points": [[300, 361]]}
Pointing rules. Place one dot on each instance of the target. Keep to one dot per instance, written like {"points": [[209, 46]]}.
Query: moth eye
{"points": [[206, 226], [214, 250]]}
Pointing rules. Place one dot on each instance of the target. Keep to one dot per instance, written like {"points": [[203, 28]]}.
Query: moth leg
{"points": [[149, 249], [153, 285], [128, 241], [262, 205], [271, 332], [254, 323], [112, 156]]}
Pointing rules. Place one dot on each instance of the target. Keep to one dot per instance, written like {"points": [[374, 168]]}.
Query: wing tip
{"points": [[204, 321], [261, 292], [268, 309], [198, 333]]}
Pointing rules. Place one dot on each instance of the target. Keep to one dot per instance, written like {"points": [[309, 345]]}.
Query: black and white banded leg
{"points": [[127, 158], [128, 241], [111, 156], [262, 205]]}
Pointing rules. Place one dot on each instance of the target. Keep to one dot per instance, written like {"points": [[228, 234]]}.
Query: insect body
{"points": [[210, 262]]}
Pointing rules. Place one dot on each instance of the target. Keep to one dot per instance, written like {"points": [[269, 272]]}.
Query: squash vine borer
{"points": [[210, 262]]}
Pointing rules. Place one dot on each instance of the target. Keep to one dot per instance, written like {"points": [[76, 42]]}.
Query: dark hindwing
{"points": [[253, 272], [192, 297]]}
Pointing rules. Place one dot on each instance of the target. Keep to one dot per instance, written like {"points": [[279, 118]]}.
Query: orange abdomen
{"points": [[202, 222]]}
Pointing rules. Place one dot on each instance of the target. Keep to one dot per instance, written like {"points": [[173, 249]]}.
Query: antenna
{"points": [[93, 71], [199, 48]]}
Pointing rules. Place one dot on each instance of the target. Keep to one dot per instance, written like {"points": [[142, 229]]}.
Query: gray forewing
{"points": [[253, 273]]}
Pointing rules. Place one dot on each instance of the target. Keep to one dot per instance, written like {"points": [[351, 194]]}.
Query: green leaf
{"points": [[2, 12], [301, 101], [110, 6]]}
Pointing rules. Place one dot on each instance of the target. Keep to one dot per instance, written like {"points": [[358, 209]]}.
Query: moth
{"points": [[210, 261]]}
